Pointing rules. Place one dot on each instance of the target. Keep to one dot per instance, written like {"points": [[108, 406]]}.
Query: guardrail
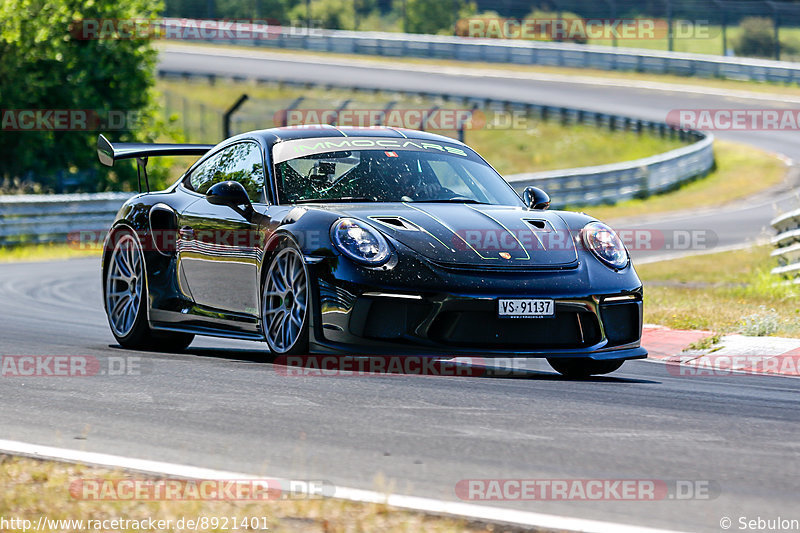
{"points": [[519, 52], [576, 186], [622, 181], [787, 243], [51, 218]]}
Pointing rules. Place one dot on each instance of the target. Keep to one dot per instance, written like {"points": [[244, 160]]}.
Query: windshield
{"points": [[391, 176]]}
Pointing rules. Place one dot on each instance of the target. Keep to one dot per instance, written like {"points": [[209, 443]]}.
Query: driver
{"points": [[414, 184]]}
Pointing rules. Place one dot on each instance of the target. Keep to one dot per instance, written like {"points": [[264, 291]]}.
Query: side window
{"points": [[242, 162], [200, 178]]}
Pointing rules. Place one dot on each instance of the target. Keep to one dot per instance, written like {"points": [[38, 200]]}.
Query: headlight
{"points": [[605, 244], [360, 242]]}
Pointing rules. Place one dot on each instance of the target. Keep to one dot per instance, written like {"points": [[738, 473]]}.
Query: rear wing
{"points": [[109, 153]]}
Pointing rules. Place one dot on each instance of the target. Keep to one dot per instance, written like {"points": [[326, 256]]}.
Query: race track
{"points": [[217, 406]]}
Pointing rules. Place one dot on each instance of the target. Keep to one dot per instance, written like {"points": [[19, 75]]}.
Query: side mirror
{"points": [[536, 198], [230, 193]]}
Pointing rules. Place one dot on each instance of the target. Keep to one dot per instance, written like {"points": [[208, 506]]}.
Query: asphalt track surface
{"points": [[218, 406]]}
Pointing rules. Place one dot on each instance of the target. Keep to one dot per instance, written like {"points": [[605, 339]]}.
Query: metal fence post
{"points": [[776, 23], [226, 120], [670, 35], [185, 107]]}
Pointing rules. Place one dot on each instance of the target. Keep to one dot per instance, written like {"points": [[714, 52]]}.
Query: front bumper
{"points": [[357, 312]]}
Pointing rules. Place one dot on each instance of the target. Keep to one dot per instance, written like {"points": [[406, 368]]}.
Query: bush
{"points": [[757, 38], [329, 14], [435, 16]]}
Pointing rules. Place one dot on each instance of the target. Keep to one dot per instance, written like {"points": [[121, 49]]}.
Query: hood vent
{"points": [[396, 223], [539, 225]]}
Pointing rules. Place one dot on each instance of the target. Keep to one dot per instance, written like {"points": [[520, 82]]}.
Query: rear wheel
{"points": [[582, 367], [284, 303], [126, 297]]}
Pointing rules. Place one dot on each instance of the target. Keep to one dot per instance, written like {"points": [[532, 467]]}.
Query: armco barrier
{"points": [[577, 186], [787, 243], [50, 218], [518, 52], [622, 181]]}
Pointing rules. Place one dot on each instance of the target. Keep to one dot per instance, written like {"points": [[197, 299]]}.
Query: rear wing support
{"points": [[109, 153]]}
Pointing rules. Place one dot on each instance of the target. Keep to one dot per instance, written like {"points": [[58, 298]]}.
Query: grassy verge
{"points": [[532, 145], [45, 252], [728, 292], [507, 68], [32, 489], [740, 172]]}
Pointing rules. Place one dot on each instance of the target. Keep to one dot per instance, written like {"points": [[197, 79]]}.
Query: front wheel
{"points": [[582, 367], [284, 303], [126, 298]]}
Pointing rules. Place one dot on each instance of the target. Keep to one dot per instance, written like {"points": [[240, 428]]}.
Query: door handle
{"points": [[186, 233]]}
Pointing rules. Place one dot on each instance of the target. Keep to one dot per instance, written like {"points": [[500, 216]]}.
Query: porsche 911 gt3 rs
{"points": [[364, 241]]}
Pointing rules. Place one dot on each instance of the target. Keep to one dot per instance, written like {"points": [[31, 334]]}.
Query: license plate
{"points": [[526, 308]]}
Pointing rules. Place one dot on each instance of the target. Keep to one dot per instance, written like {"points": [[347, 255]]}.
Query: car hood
{"points": [[470, 234]]}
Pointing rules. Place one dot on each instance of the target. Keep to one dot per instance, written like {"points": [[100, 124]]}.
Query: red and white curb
{"points": [[737, 354]]}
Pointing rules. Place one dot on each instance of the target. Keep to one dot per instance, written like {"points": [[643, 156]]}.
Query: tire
{"points": [[583, 367], [125, 297], [285, 299]]}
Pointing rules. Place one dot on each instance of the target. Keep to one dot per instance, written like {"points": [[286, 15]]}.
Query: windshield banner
{"points": [[287, 150]]}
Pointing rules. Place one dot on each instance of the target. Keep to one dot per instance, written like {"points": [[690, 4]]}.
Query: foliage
{"points": [[331, 14], [757, 38], [47, 64], [435, 16]]}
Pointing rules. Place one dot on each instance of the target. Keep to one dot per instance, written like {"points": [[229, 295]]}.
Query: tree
{"points": [[435, 16], [51, 62], [330, 14]]}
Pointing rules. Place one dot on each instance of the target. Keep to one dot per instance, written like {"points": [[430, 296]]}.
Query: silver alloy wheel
{"points": [[124, 283], [285, 301]]}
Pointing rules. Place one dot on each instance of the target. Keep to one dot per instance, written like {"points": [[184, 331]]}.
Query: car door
{"points": [[219, 246]]}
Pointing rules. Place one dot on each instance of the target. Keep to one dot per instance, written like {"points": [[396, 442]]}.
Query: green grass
{"points": [[719, 292], [533, 145], [32, 489], [740, 172], [45, 252]]}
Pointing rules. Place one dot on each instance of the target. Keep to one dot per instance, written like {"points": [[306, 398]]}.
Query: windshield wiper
{"points": [[334, 200]]}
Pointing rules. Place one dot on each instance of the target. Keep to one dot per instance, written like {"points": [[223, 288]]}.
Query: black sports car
{"points": [[364, 241]]}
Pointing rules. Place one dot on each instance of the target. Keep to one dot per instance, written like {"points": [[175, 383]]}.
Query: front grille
{"points": [[502, 267], [568, 329]]}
